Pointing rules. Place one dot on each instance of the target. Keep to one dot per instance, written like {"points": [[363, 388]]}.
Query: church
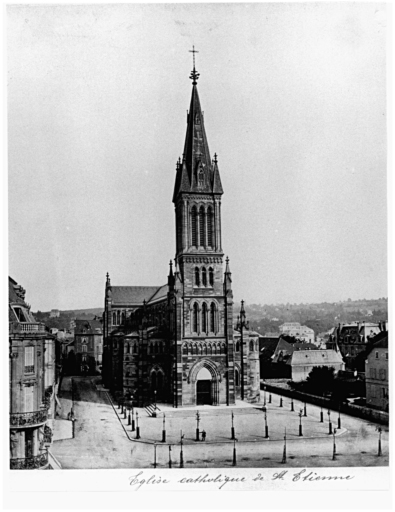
{"points": [[177, 343]]}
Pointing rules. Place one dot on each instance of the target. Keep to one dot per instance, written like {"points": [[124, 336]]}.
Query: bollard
{"points": [[129, 422], [124, 414], [270, 399], [281, 401], [133, 426], [330, 428], [292, 405], [321, 417], [197, 435], [137, 432]]}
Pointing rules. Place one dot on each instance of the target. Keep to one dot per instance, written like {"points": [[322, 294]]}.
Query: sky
{"points": [[294, 101]]}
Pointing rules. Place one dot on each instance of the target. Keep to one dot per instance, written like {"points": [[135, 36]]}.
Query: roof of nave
{"points": [[135, 295]]}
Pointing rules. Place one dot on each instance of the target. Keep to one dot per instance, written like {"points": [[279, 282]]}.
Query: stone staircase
{"points": [[151, 410]]}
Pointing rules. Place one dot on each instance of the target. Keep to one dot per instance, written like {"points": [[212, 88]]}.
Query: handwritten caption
{"points": [[221, 480]]}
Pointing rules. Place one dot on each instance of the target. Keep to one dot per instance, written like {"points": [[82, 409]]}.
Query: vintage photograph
{"points": [[197, 236]]}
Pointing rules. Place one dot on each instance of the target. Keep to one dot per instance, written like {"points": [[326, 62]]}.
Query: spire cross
{"points": [[193, 51]]}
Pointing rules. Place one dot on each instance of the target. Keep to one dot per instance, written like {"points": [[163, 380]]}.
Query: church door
{"points": [[203, 388]]}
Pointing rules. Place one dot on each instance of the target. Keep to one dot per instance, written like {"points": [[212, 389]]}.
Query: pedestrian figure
{"points": [[203, 435]]}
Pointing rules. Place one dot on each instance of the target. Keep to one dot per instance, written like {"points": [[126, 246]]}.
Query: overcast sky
{"points": [[294, 97]]}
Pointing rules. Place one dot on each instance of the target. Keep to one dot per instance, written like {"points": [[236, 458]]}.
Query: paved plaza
{"points": [[104, 439]]}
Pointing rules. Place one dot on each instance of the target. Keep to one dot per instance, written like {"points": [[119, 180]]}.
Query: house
{"points": [[34, 376], [300, 332], [88, 346], [302, 362], [377, 373]]}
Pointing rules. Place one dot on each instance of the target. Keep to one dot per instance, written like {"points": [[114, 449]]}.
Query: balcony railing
{"points": [[36, 462], [28, 419], [16, 327]]}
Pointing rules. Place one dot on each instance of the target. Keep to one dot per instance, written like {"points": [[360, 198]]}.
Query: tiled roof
{"points": [[324, 357], [132, 295]]}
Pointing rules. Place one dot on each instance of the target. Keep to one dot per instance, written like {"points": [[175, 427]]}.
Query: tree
{"points": [[320, 380]]}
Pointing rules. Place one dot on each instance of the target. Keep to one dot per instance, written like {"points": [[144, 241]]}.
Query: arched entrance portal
{"points": [[203, 387]]}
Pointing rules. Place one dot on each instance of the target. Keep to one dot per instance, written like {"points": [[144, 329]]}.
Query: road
{"points": [[104, 440]]}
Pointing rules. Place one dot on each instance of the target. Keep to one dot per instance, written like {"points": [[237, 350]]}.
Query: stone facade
{"points": [[376, 372], [34, 373], [176, 343]]}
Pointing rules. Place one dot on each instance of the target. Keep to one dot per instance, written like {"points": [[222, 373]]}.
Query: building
{"points": [[55, 313], [302, 362], [352, 340], [34, 375], [176, 342], [88, 346], [376, 373], [300, 332]]}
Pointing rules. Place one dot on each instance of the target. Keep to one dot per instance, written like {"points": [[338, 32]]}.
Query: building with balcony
{"points": [[34, 376]]}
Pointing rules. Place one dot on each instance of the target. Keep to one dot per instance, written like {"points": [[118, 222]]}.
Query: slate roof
{"points": [[90, 325], [318, 357], [379, 341], [133, 295]]}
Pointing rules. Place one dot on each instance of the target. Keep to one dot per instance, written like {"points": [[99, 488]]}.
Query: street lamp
{"points": [[379, 453], [334, 445], [242, 324], [330, 424], [300, 422], [154, 454], [284, 459], [154, 413], [137, 426], [264, 395], [232, 432], [339, 423], [181, 452], [197, 425], [234, 463], [129, 419], [164, 429], [133, 425], [266, 427]]}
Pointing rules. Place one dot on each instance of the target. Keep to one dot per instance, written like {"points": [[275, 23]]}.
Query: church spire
{"points": [[197, 172]]}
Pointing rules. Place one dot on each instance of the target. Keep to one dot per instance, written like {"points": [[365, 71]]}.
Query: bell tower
{"points": [[204, 300]]}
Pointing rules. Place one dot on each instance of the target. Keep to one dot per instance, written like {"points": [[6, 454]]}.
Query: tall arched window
{"points": [[205, 350], [127, 348], [197, 276], [210, 227], [194, 226], [202, 226], [114, 318], [223, 348], [237, 382], [153, 380], [123, 317], [204, 276], [209, 350], [204, 317], [200, 348], [257, 345], [135, 348], [251, 346], [118, 317], [212, 317], [195, 321], [214, 352], [211, 276]]}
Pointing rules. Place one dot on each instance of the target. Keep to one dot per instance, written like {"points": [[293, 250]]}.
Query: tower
{"points": [[202, 296]]}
